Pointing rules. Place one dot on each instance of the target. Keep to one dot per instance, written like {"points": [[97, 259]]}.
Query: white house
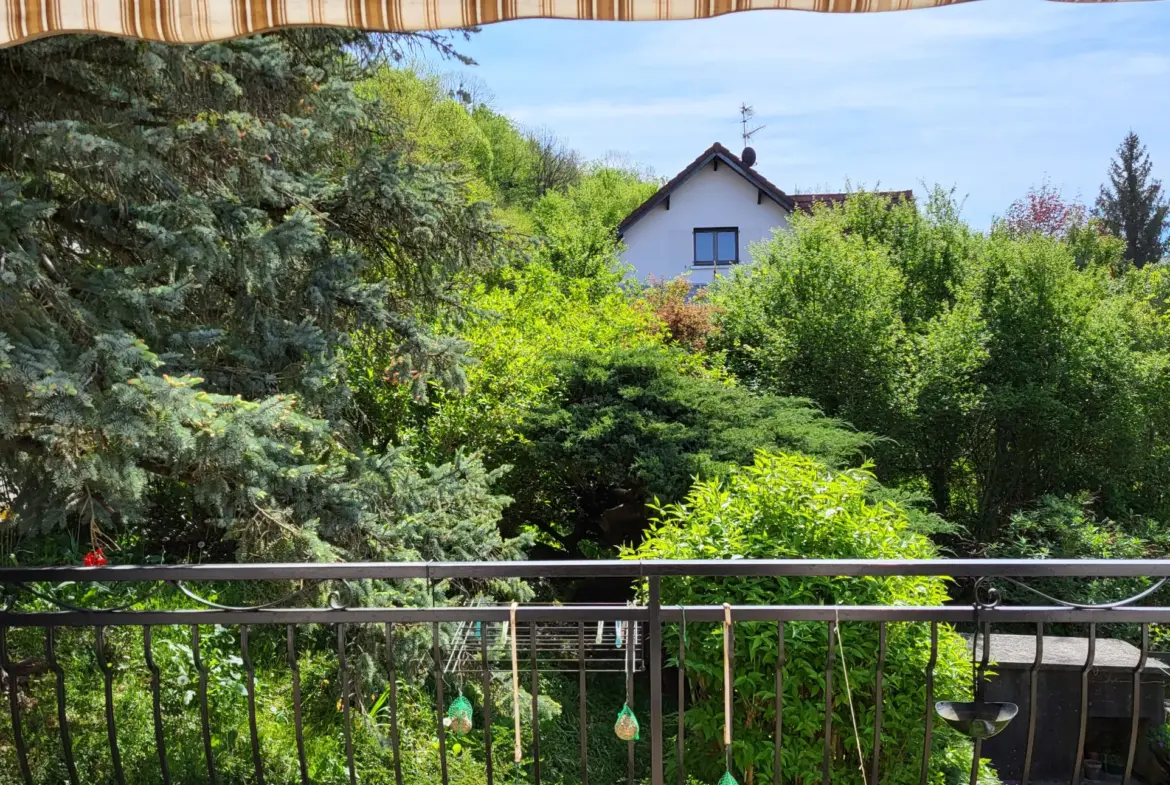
{"points": [[708, 215]]}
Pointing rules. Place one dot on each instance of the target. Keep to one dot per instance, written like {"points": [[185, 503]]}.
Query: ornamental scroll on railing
{"points": [[479, 648]]}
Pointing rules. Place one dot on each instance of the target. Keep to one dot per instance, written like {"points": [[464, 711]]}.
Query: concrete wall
{"points": [[1058, 721], [661, 244]]}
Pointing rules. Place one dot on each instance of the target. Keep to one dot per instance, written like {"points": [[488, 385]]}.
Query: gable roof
{"points": [[805, 202], [710, 154], [802, 202]]}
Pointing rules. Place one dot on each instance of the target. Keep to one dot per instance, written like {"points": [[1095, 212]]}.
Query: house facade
{"points": [[704, 220]]}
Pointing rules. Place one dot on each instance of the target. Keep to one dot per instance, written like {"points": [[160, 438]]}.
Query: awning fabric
{"points": [[197, 21]]}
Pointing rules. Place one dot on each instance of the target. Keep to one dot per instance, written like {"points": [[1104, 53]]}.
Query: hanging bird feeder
{"points": [[978, 719], [459, 715], [626, 726]]}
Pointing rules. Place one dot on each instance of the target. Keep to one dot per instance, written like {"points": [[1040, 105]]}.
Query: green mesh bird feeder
{"points": [[626, 726], [459, 716]]}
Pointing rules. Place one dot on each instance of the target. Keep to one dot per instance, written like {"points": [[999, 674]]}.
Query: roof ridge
{"points": [[716, 149]]}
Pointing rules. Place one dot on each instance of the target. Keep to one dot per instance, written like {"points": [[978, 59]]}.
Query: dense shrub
{"points": [[786, 506], [687, 314], [628, 427], [817, 315]]}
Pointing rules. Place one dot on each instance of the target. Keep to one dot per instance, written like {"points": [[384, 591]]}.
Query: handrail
{"points": [[777, 568]]}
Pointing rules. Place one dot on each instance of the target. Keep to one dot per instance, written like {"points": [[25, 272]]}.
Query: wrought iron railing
{"points": [[575, 625]]}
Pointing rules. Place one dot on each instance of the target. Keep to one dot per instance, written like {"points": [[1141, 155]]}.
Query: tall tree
{"points": [[1132, 205], [189, 239]]}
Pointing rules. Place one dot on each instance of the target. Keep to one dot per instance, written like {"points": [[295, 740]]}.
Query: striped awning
{"points": [[196, 21]]}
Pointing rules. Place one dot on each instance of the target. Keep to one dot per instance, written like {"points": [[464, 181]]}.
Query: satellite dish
{"points": [[748, 157]]}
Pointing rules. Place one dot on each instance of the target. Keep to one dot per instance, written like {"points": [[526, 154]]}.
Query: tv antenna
{"points": [[746, 113]]}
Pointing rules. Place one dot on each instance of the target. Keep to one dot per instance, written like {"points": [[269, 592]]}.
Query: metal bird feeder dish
{"points": [[978, 719]]}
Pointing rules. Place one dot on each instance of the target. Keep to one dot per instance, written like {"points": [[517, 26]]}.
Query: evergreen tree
{"points": [[630, 428], [1132, 205], [189, 236]]}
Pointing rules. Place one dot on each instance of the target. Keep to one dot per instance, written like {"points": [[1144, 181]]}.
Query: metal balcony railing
{"points": [[571, 630]]}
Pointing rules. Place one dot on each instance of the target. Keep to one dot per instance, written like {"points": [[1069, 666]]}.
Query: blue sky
{"points": [[990, 97]]}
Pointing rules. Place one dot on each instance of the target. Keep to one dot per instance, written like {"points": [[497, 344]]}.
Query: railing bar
{"points": [[879, 680], [583, 719], [1135, 717], [156, 704], [1084, 713], [440, 699], [682, 698], [827, 763], [62, 717], [779, 739], [1033, 682], [250, 685], [111, 726], [535, 690], [955, 568], [628, 642], [298, 720], [654, 641], [14, 705], [928, 737], [487, 707], [346, 699], [948, 614], [204, 714], [392, 673]]}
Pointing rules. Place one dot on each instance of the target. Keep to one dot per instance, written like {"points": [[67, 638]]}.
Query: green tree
{"points": [[819, 315], [427, 124], [577, 228], [929, 245], [785, 507], [513, 160], [1132, 204], [627, 428], [1061, 377], [189, 237], [516, 330]]}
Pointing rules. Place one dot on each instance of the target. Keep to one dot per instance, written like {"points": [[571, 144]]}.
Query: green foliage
{"points": [[518, 328], [931, 246], [1065, 527], [786, 506], [577, 229], [511, 173], [1001, 368], [190, 236], [627, 427], [818, 315], [432, 126], [1060, 382]]}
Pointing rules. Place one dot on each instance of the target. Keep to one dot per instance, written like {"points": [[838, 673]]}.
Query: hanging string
{"points": [[727, 682], [519, 752], [849, 694]]}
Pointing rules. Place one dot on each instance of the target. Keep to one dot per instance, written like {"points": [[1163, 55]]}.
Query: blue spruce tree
{"points": [[188, 238]]}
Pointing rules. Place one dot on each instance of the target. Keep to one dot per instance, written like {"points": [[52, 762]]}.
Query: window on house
{"points": [[717, 245]]}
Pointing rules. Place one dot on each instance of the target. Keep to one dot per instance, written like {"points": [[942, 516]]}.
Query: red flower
{"points": [[95, 559]]}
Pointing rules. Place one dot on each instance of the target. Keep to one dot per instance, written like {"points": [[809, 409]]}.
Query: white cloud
{"points": [[988, 95]]}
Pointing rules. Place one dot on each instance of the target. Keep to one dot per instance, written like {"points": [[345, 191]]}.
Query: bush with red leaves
{"points": [[683, 309]]}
